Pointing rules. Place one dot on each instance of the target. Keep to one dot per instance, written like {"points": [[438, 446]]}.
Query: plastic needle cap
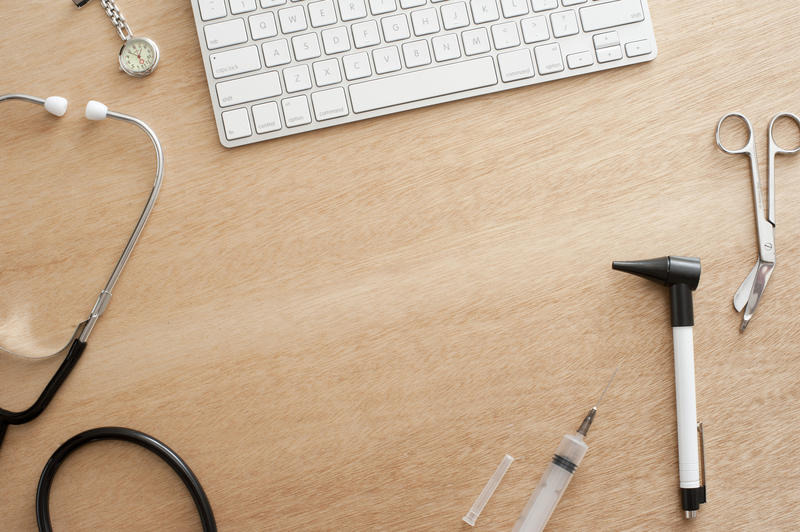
{"points": [[488, 490]]}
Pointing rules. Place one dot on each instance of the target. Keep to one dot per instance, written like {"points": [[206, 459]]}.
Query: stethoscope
{"points": [[74, 348], [57, 106]]}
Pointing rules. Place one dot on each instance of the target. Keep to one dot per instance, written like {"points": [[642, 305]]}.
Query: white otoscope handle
{"points": [[551, 487], [686, 406]]}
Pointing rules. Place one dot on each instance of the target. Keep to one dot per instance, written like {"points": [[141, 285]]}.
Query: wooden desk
{"points": [[346, 330]]}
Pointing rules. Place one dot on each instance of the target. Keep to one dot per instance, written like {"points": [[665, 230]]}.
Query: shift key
{"points": [[610, 14]]}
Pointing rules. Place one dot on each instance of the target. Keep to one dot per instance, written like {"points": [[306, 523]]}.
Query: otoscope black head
{"points": [[664, 270], [680, 274]]}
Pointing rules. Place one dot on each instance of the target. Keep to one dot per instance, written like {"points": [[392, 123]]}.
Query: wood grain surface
{"points": [[348, 329]]}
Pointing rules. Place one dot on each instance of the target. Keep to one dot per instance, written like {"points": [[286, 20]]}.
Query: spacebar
{"points": [[422, 84]]}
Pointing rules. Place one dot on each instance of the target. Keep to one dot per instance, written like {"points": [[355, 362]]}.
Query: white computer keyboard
{"points": [[279, 67]]}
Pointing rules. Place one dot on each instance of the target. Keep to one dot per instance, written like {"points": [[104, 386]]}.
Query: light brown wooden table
{"points": [[347, 329]]}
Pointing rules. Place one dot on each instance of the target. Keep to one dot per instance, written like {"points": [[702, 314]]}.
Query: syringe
{"points": [[551, 487]]}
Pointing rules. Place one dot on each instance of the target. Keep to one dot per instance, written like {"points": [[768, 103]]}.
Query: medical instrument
{"points": [[275, 68], [681, 275], [752, 288], [556, 478], [128, 435], [138, 56], [77, 343], [488, 491]]}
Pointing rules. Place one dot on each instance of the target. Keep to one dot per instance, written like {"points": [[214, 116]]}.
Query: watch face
{"points": [[138, 56]]}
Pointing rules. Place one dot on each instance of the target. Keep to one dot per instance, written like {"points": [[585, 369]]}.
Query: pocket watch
{"points": [[138, 56]]}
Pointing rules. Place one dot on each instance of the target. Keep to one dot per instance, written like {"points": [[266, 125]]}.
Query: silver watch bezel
{"points": [[143, 73]]}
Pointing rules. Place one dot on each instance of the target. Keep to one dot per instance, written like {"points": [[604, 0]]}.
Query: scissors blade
{"points": [[743, 292], [763, 273]]}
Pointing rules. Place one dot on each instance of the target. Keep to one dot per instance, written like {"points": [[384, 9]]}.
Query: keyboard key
{"points": [[329, 104], [514, 8], [608, 15], [226, 33], [515, 65], [445, 79], [296, 111], [352, 9], [236, 124], [603, 40], [292, 19], [297, 78], [543, 5], [356, 66], [455, 15], [381, 7], [612, 53], [335, 40], [366, 34], [406, 4], [580, 59], [327, 72], [484, 11], [263, 26], [425, 21], [386, 59], [266, 117], [567, 3], [276, 52], [505, 35], [534, 29], [242, 6], [236, 61], [548, 58], [445, 47], [416, 53], [272, 3], [475, 41], [306, 46], [637, 48], [564, 23], [395, 28], [212, 9], [322, 13], [248, 89]]}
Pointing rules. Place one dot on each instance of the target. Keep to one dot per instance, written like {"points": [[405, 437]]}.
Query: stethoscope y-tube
{"points": [[128, 435], [73, 350]]}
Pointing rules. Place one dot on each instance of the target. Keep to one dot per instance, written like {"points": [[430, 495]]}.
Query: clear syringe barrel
{"points": [[551, 487]]}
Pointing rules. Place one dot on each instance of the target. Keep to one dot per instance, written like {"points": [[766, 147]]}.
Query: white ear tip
{"points": [[96, 110], [56, 105]]}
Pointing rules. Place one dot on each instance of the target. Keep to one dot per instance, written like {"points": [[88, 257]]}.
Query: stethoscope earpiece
{"points": [[56, 105], [96, 110]]}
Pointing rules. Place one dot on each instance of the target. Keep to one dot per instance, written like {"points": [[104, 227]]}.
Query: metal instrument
{"points": [[77, 343], [752, 288]]}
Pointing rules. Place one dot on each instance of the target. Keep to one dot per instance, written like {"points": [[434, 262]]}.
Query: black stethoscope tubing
{"points": [[7, 417], [128, 435]]}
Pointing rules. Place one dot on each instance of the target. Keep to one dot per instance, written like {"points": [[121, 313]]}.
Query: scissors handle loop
{"points": [[749, 146], [774, 147]]}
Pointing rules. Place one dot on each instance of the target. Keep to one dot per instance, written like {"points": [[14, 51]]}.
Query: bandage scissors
{"points": [[752, 288]]}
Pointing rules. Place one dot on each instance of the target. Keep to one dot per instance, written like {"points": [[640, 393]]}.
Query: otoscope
{"points": [[681, 275]]}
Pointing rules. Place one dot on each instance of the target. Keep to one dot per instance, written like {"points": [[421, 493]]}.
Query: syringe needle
{"points": [[587, 421], [603, 393]]}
